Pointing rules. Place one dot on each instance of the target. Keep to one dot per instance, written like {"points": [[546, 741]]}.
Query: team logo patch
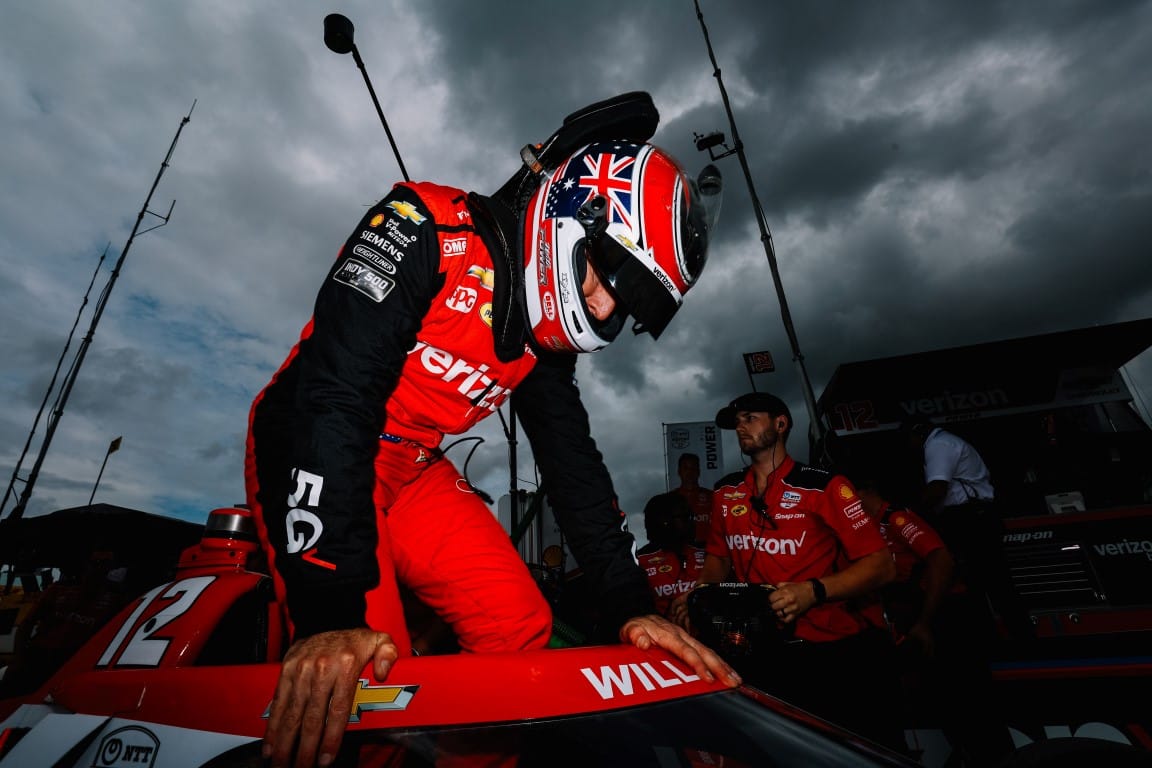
{"points": [[454, 246], [130, 746], [739, 510], [407, 211], [371, 698], [486, 276], [376, 220], [486, 313], [377, 259], [363, 278], [462, 299]]}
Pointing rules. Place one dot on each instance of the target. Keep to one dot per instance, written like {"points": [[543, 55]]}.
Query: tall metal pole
{"points": [[112, 448], [70, 379], [52, 383], [816, 427], [339, 36]]}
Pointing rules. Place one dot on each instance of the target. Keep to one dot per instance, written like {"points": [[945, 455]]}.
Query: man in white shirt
{"points": [[958, 500]]}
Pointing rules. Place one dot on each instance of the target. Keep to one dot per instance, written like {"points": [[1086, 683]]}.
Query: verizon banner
{"points": [[699, 437]]}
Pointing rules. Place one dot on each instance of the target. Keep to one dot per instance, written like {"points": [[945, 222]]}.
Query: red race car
{"points": [[183, 676]]}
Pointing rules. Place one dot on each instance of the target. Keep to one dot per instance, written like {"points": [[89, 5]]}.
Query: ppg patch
{"points": [[363, 278]]}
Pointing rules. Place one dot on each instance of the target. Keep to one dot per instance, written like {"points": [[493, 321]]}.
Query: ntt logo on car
{"points": [[129, 746]]}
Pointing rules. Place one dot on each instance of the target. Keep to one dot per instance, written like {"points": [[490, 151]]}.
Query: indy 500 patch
{"points": [[363, 278]]}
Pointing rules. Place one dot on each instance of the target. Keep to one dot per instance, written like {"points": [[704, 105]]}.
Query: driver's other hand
{"points": [[678, 611], [313, 699], [645, 632]]}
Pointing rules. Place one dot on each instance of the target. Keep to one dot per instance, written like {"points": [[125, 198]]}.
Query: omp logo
{"points": [[771, 545], [1124, 547], [549, 307], [472, 380], [462, 299], [623, 679], [455, 246], [377, 259], [406, 211], [131, 746]]}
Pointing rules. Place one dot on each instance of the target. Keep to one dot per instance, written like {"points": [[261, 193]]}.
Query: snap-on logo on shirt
{"points": [[454, 246], [472, 380]]}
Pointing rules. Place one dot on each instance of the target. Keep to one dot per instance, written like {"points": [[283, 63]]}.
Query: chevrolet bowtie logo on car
{"points": [[370, 698]]}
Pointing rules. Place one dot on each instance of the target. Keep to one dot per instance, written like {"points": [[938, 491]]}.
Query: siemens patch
{"points": [[363, 278]]}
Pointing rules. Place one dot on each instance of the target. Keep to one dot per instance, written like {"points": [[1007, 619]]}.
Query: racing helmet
{"points": [[629, 211]]}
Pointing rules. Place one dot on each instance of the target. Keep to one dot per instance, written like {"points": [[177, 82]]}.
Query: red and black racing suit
{"points": [[348, 487]]}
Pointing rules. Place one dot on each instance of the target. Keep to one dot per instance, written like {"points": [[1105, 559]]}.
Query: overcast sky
{"points": [[934, 174]]}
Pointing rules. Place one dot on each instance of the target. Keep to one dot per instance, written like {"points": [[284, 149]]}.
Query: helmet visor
{"points": [[638, 291]]}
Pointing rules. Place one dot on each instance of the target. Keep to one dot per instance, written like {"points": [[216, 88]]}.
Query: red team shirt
{"points": [[909, 539], [814, 521], [700, 500], [670, 574]]}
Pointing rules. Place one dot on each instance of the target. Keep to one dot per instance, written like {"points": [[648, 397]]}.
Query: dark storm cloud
{"points": [[931, 174]]}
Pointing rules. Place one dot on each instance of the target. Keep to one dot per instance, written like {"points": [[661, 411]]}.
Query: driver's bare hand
{"points": [[318, 680], [678, 611], [644, 632]]}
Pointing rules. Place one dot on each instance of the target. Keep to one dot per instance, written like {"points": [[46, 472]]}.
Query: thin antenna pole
{"points": [[70, 379], [817, 424], [52, 384]]}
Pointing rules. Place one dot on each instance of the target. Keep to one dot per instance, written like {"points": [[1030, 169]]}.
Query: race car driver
{"points": [[440, 306]]}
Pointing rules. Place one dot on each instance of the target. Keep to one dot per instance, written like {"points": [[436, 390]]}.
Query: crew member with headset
{"points": [[804, 531]]}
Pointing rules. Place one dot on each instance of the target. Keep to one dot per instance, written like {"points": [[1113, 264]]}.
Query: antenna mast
{"points": [[816, 428], [70, 378]]}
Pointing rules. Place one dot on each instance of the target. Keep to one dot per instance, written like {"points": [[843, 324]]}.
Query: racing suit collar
{"points": [[497, 227]]}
